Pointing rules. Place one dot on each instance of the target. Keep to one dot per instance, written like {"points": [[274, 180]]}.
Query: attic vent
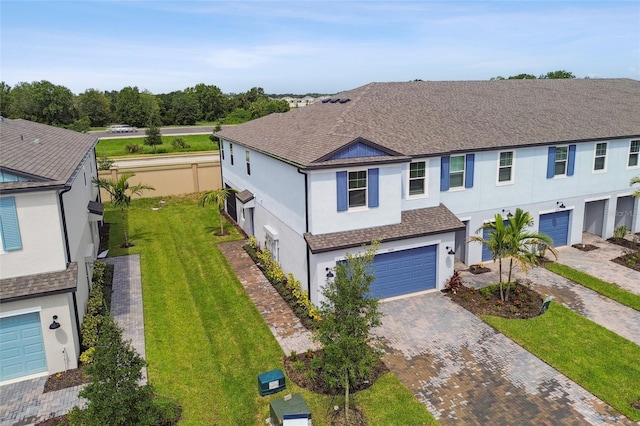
{"points": [[336, 100], [36, 141], [325, 100], [344, 100], [333, 101]]}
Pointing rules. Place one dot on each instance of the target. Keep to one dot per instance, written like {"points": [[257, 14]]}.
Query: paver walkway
{"points": [[24, 403], [465, 372]]}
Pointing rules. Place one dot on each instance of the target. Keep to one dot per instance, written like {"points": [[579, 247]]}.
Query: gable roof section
{"points": [[50, 156], [28, 286], [429, 118], [413, 223]]}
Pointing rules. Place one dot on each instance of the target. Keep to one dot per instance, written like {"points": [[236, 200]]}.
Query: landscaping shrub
{"points": [[133, 148], [180, 143]]}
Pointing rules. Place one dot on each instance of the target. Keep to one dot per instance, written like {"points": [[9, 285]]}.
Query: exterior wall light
{"points": [[560, 205], [329, 273], [450, 250], [508, 212], [55, 324]]}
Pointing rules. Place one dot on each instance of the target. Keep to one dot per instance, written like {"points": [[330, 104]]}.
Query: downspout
{"points": [[306, 229], [68, 250]]}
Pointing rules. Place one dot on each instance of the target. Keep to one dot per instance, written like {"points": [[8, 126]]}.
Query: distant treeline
{"points": [[45, 102]]}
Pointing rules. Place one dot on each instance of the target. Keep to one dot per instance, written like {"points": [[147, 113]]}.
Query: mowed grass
{"points": [[117, 147], [206, 343], [599, 360], [610, 290]]}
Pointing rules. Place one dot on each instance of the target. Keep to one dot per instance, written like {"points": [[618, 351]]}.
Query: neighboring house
{"points": [[421, 166], [49, 213], [298, 102]]}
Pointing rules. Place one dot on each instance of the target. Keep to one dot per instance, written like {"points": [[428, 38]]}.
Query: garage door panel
{"points": [[22, 351], [556, 226], [404, 271]]}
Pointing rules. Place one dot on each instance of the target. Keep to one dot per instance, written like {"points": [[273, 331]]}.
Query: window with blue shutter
{"points": [[341, 190], [373, 188], [444, 173], [561, 161], [468, 177], [9, 228], [551, 162], [572, 160]]}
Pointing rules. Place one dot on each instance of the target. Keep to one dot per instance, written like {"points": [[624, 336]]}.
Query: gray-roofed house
{"points": [[49, 214], [422, 165]]}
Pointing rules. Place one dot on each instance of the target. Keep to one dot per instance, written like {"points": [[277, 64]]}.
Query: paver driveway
{"points": [[467, 373]]}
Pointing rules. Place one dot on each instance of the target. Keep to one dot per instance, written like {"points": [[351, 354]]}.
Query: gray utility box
{"points": [[271, 382], [290, 410]]}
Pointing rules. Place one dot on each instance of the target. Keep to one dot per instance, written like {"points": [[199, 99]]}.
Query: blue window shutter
{"points": [[572, 160], [341, 181], [468, 176], [551, 162], [9, 225], [373, 187], [444, 173]]}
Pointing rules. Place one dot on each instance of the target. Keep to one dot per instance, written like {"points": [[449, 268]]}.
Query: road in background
{"points": [[166, 131]]}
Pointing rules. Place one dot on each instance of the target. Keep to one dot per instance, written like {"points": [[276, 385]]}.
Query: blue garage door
{"points": [[556, 225], [21, 347], [404, 272]]}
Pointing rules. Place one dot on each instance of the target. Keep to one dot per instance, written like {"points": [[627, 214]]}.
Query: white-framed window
{"points": [[231, 153], [246, 155], [222, 148], [357, 189], [634, 152], [456, 171], [600, 157], [417, 179], [562, 156], [505, 167]]}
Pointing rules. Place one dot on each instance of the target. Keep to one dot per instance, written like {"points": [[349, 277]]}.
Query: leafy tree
{"points": [[496, 243], [522, 77], [150, 108], [43, 102], [263, 107], [219, 198], [81, 125], [154, 137], [5, 99], [95, 105], [137, 108], [212, 137], [211, 101], [121, 193], [558, 74], [115, 395], [348, 314], [635, 180], [523, 245], [185, 108]]}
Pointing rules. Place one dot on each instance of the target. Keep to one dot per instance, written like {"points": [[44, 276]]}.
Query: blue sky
{"points": [[305, 46]]}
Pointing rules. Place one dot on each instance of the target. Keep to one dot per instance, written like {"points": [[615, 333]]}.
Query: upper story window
{"points": [[505, 167], [417, 178], [561, 160], [9, 227], [231, 153], [222, 148], [456, 171], [634, 152], [599, 161], [246, 155], [357, 189]]}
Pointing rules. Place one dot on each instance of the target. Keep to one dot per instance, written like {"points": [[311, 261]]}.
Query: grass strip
{"points": [[597, 359], [206, 342], [607, 289], [117, 147]]}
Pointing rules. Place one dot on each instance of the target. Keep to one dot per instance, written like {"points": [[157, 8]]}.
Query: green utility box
{"points": [[292, 409], [271, 382]]}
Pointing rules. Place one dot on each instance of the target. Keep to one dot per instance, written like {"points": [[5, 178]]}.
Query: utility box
{"points": [[292, 410], [271, 382]]}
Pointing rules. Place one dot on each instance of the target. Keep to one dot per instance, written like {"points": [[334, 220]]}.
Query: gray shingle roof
{"points": [[27, 286], [426, 118], [49, 155], [414, 223]]}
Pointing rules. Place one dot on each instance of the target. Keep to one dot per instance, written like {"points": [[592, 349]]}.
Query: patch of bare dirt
{"points": [[585, 247], [66, 379], [356, 417], [523, 302]]}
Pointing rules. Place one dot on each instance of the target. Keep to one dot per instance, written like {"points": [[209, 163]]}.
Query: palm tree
{"points": [[496, 243], [523, 245], [219, 198], [121, 192], [636, 192]]}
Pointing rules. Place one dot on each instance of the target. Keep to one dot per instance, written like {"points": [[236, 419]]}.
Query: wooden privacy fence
{"points": [[181, 176]]}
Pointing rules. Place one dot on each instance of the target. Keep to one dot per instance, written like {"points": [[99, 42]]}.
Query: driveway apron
{"points": [[465, 372]]}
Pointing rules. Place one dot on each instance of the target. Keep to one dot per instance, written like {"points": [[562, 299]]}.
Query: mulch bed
{"points": [[632, 245], [585, 247], [477, 269], [630, 260], [66, 379], [523, 302]]}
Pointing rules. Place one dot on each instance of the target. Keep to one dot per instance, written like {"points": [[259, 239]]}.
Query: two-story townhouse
{"points": [[420, 166], [49, 214]]}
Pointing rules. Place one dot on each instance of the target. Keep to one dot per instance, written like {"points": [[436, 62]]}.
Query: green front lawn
{"points": [[117, 147], [597, 359], [610, 290], [206, 342]]}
